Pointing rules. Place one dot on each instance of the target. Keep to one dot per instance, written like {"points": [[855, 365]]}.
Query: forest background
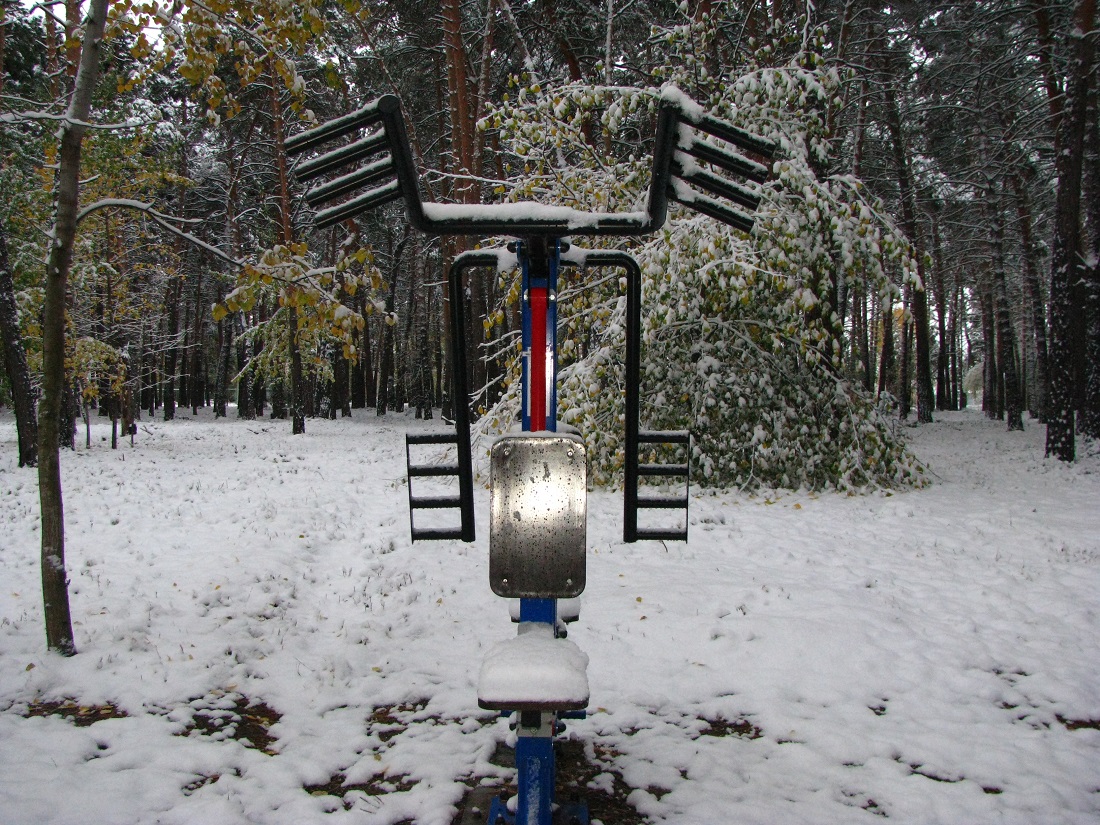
{"points": [[932, 230], [931, 234]]}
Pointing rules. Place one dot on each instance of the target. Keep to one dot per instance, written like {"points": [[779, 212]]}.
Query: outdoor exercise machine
{"points": [[538, 476]]}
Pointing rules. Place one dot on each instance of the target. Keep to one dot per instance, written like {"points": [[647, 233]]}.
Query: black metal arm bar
{"points": [[331, 161], [731, 134], [632, 378], [460, 394], [345, 184], [526, 219], [337, 127], [718, 186], [710, 207], [349, 209], [727, 160]]}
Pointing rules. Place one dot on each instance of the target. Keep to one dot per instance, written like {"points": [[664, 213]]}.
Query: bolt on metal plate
{"points": [[537, 523]]}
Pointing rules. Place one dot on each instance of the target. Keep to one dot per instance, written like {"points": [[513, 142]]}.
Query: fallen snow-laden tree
{"points": [[742, 342]]}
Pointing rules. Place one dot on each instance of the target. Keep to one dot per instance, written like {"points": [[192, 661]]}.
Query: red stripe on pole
{"points": [[536, 372]]}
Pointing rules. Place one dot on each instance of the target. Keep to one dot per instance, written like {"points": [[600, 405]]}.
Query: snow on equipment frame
{"points": [[538, 484]]}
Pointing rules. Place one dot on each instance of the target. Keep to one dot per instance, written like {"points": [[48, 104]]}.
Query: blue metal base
{"points": [[572, 814], [498, 813]]}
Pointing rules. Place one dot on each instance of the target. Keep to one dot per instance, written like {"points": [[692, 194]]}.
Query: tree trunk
{"points": [[23, 393], [360, 370], [197, 381], [1033, 291], [278, 399], [905, 402], [956, 403], [919, 296], [943, 391], [225, 354], [1065, 264], [297, 406], [1090, 414], [245, 408], [1006, 338], [259, 388], [183, 387], [297, 384], [991, 378], [384, 397], [173, 351], [424, 359], [55, 590], [886, 364]]}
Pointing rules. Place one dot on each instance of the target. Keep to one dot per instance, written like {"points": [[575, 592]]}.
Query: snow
{"points": [[522, 211], [923, 657], [534, 668], [687, 106]]}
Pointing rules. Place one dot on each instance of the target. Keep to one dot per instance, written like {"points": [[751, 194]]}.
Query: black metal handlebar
{"points": [[673, 173]]}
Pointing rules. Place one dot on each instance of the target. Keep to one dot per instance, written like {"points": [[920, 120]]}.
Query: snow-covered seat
{"points": [[534, 671]]}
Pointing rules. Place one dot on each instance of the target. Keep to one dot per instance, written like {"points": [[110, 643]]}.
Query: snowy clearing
{"points": [[261, 643]]}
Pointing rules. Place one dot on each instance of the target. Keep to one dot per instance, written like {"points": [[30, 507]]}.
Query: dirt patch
{"points": [[597, 782], [1079, 724], [80, 715], [739, 727], [235, 716], [388, 721], [203, 780], [345, 791]]}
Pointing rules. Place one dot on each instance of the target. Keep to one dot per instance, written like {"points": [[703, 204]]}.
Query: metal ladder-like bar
{"points": [[460, 401], [433, 502], [633, 470], [636, 501]]}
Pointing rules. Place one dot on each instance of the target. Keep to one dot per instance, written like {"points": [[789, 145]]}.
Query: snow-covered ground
{"points": [[260, 632]]}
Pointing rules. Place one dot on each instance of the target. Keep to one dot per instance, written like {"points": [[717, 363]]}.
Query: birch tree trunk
{"points": [[55, 591]]}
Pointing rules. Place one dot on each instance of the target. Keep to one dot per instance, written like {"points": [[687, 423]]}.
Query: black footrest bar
{"points": [[433, 470], [463, 502], [662, 535], [662, 469], [463, 470], [434, 502], [650, 503], [664, 437], [432, 438], [437, 534]]}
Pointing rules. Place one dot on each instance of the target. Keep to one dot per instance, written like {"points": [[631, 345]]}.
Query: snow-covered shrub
{"points": [[740, 341]]}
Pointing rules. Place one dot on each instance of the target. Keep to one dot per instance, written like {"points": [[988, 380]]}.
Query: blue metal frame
{"points": [[535, 767], [548, 278]]}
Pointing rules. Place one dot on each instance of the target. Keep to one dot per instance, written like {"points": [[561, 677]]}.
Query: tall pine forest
{"points": [[930, 237]]}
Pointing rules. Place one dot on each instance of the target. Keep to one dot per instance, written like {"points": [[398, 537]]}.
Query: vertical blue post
{"points": [[539, 263], [535, 766]]}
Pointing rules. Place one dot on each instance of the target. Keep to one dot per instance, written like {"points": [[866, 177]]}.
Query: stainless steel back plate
{"points": [[538, 506]]}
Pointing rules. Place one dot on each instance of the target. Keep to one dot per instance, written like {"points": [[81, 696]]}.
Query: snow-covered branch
{"points": [[67, 120], [160, 218]]}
